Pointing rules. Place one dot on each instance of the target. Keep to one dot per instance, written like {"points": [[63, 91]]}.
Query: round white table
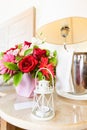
{"points": [[69, 114]]}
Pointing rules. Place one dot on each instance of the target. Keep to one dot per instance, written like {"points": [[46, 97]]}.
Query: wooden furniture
{"points": [[70, 114]]}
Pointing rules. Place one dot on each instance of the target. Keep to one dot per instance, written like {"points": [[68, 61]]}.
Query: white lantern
{"points": [[43, 108]]}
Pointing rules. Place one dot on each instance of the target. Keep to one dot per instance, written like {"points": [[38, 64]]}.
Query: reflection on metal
{"points": [[79, 73]]}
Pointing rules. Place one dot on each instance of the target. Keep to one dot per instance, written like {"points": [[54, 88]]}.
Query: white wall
{"points": [[57, 9], [10, 8]]}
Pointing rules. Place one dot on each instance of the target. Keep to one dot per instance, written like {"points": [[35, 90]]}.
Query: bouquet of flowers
{"points": [[25, 58]]}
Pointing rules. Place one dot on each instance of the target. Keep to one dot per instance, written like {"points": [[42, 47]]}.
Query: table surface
{"points": [[69, 114]]}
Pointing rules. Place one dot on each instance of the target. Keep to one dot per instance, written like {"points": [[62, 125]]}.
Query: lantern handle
{"points": [[48, 71]]}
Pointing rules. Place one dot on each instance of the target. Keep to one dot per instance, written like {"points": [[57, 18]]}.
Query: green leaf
{"points": [[41, 33], [17, 78], [19, 46], [55, 53], [35, 46], [47, 53], [11, 66], [1, 55], [27, 52], [43, 42], [53, 60], [18, 58], [40, 75], [6, 77]]}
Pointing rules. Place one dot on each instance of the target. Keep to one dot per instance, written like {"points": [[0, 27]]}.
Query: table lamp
{"points": [[59, 13], [64, 22]]}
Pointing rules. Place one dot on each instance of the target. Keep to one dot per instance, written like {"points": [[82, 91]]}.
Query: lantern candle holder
{"points": [[43, 108]]}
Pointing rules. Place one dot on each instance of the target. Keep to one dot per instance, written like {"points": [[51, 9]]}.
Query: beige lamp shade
{"points": [[59, 13]]}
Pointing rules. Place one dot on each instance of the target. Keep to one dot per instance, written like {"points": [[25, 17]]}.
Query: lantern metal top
{"points": [[44, 86]]}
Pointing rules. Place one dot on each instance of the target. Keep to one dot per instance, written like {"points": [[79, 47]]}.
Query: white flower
{"points": [[36, 41]]}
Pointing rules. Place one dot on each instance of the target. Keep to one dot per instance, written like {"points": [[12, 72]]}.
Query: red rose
{"points": [[27, 64], [38, 53], [27, 43]]}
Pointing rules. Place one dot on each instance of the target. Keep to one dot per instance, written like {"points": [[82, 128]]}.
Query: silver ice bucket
{"points": [[79, 72]]}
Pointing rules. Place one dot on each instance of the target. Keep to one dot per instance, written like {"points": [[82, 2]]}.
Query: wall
{"points": [[10, 8], [18, 29]]}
